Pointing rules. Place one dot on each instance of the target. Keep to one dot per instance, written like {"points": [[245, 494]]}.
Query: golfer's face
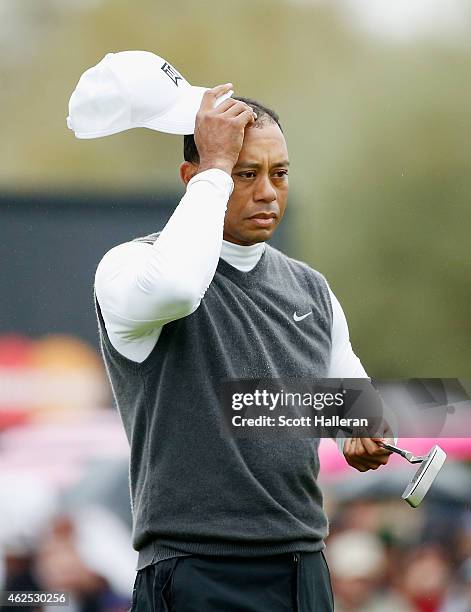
{"points": [[260, 176]]}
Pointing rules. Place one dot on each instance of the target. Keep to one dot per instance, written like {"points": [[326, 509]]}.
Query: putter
{"points": [[422, 480]]}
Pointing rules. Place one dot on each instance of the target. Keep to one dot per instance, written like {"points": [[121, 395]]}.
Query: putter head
{"points": [[424, 477]]}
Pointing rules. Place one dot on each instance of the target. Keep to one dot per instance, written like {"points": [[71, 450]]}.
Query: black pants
{"points": [[281, 583]]}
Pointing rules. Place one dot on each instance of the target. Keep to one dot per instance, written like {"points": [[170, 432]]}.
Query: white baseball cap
{"points": [[133, 89]]}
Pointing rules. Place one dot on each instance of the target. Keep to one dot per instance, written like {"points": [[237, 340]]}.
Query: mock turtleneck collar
{"points": [[244, 258]]}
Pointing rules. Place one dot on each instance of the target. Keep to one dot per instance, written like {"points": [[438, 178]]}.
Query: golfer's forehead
{"points": [[264, 144]]}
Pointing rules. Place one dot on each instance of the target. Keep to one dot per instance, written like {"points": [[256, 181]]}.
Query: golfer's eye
{"points": [[247, 174], [280, 173]]}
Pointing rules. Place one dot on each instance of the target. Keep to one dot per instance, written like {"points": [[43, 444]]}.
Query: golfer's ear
{"points": [[187, 171]]}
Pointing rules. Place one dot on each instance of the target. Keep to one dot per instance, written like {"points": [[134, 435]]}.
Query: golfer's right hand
{"points": [[219, 132], [366, 453]]}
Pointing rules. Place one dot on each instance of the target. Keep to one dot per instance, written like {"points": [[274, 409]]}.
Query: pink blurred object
{"points": [[333, 462], [15, 351], [58, 453], [15, 355]]}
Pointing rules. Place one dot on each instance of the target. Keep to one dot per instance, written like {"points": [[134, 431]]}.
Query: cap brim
{"points": [[180, 119]]}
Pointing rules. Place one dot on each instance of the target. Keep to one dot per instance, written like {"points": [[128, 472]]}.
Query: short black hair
{"points": [[264, 115]]}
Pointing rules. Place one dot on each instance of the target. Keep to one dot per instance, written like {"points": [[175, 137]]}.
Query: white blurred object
{"points": [[26, 508], [403, 20], [356, 554], [104, 544]]}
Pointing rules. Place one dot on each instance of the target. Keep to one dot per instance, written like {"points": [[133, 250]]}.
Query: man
{"points": [[222, 523]]}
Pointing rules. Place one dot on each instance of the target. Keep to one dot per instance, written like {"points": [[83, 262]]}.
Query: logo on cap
{"points": [[172, 73]]}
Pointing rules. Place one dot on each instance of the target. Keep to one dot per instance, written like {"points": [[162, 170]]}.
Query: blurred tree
{"points": [[377, 135]]}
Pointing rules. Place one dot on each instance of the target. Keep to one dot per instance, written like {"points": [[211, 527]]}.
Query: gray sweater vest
{"points": [[194, 488]]}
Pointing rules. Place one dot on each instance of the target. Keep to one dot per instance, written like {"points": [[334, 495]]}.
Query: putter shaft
{"points": [[404, 453]]}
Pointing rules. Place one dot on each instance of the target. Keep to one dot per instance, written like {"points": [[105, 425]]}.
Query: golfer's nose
{"points": [[264, 190]]}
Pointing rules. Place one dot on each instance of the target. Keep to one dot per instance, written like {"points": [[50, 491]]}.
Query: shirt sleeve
{"points": [[344, 363], [140, 287]]}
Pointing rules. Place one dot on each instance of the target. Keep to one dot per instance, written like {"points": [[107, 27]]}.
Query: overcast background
{"points": [[375, 100]]}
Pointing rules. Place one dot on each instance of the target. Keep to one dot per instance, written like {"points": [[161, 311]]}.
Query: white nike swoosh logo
{"points": [[297, 318]]}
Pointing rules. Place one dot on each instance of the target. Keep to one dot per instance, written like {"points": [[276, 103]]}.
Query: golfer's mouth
{"points": [[263, 219]]}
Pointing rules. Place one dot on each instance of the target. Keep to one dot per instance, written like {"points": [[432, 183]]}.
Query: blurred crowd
{"points": [[383, 556], [65, 512], [78, 542]]}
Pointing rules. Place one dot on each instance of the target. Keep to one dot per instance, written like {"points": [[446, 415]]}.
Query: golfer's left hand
{"points": [[365, 453]]}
